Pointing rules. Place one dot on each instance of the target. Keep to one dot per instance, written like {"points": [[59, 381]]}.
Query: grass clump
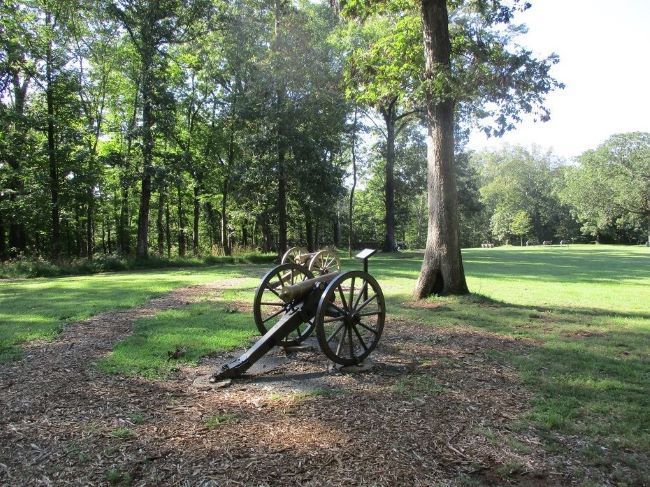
{"points": [[116, 476], [418, 386], [216, 420], [122, 433], [136, 418]]}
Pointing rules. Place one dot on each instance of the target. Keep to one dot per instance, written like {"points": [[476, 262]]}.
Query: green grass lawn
{"points": [[37, 309], [584, 312], [587, 310], [198, 329]]}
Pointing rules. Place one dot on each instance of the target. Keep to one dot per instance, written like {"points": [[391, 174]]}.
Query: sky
{"points": [[604, 49]]}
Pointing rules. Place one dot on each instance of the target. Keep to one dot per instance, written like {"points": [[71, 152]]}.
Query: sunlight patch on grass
{"points": [[37, 309], [198, 329]]}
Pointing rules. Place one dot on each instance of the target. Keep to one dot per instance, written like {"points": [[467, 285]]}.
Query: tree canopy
{"points": [[134, 128]]}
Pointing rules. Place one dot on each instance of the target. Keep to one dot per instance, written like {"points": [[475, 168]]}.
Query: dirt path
{"points": [[435, 409]]}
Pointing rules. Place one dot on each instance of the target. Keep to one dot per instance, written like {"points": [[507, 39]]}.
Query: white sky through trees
{"points": [[604, 49]]}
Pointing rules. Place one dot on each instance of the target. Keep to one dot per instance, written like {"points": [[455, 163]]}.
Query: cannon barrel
{"points": [[300, 290]]}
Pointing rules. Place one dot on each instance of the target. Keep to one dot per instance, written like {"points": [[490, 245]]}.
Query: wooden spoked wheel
{"points": [[269, 307], [324, 262], [350, 317], [297, 255]]}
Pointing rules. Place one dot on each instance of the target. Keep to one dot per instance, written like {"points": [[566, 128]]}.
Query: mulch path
{"points": [[434, 409]]}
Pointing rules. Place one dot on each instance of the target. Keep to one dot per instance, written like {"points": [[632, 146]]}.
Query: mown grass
{"points": [[37, 309], [583, 312], [197, 330]]}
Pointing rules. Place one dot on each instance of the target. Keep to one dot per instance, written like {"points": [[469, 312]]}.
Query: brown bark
{"points": [[354, 184], [281, 143], [168, 231], [90, 234], [336, 230], [104, 237], [108, 237], [197, 216], [160, 227], [181, 223], [225, 243], [55, 236], [212, 223], [147, 56], [309, 231], [17, 233], [123, 238], [389, 115], [3, 245], [442, 268], [244, 234]]}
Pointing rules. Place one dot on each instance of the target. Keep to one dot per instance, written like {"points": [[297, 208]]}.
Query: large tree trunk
{"points": [[90, 234], [336, 230], [197, 216], [181, 223], [160, 227], [168, 230], [354, 184], [123, 238], [212, 223], [3, 246], [309, 231], [389, 185], [55, 236], [281, 143], [282, 202], [17, 233], [442, 268], [147, 54], [108, 236], [224, 218]]}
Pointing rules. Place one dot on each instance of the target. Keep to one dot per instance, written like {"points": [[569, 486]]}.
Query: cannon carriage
{"points": [[346, 310], [321, 262]]}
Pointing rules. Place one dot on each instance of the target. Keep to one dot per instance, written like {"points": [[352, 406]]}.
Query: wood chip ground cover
{"points": [[434, 410]]}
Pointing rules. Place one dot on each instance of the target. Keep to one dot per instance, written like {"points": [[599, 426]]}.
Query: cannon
{"points": [[321, 262], [346, 310]]}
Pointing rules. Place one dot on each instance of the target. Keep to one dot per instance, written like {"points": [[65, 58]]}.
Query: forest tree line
{"points": [[134, 127]]}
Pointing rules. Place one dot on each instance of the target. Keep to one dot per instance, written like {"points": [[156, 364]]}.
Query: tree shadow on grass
{"points": [[588, 369], [551, 265]]}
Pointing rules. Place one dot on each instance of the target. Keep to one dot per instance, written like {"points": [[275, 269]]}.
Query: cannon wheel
{"points": [[294, 254], [268, 307], [324, 262], [350, 317]]}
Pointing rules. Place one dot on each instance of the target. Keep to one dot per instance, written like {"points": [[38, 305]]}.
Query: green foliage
{"points": [[30, 268], [516, 180], [187, 101], [521, 225], [492, 79], [610, 188]]}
